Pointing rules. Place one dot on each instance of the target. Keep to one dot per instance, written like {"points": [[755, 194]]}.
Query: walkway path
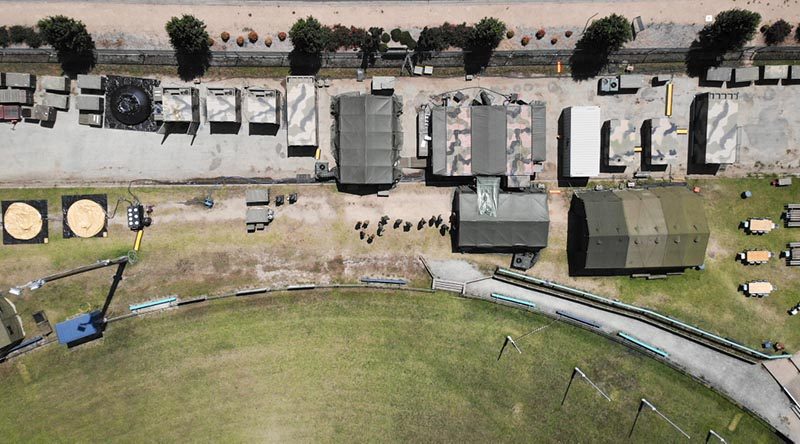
{"points": [[749, 385]]}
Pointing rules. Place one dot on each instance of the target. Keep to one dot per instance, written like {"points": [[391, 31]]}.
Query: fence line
{"points": [[542, 57]]}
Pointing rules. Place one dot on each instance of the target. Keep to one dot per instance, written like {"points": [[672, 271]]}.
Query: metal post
{"points": [[636, 419], [502, 348], [571, 378], [583, 375], [117, 278], [715, 435], [505, 343], [655, 410], [514, 344]]}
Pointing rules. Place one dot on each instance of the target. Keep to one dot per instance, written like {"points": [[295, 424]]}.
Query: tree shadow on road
{"points": [[192, 65], [304, 64], [77, 63]]}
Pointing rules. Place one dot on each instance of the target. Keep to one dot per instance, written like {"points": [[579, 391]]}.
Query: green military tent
{"points": [[517, 222], [662, 228], [367, 139]]}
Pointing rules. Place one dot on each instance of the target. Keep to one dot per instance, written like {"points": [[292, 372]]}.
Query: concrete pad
{"points": [[794, 72], [454, 270], [774, 72], [717, 74], [742, 75]]}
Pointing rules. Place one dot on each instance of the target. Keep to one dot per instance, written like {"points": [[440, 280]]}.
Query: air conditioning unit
{"points": [[609, 84]]}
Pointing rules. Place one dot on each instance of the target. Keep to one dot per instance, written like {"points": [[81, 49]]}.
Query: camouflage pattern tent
{"points": [[521, 222], [224, 105], [660, 141], [301, 111], [650, 229], [367, 138], [180, 104], [495, 140], [619, 141], [714, 128], [11, 332], [262, 105]]}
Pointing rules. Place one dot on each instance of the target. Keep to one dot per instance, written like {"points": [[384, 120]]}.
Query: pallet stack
{"points": [[792, 215], [793, 254]]}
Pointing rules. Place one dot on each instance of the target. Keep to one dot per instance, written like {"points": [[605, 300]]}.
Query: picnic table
{"points": [[759, 226], [757, 256], [758, 288]]}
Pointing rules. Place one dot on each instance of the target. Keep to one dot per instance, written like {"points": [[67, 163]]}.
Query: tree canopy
{"points": [[309, 36], [187, 34], [777, 32], [606, 34], [66, 35], [487, 34]]}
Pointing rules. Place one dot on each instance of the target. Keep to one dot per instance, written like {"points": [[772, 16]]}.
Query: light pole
{"points": [[577, 371], [653, 408]]}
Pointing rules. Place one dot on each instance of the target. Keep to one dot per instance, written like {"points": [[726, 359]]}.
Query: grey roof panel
{"points": [[488, 140], [367, 146], [522, 222]]}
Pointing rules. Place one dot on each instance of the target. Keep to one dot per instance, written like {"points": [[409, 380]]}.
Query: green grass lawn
{"points": [[351, 366]]}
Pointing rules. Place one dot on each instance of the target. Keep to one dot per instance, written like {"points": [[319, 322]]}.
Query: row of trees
{"points": [[730, 31], [20, 34], [485, 35], [312, 37]]}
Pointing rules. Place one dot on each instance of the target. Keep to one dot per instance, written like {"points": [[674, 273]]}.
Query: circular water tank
{"points": [[130, 104]]}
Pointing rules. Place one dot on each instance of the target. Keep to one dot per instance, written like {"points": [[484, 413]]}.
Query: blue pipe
{"points": [[653, 349], [151, 304], [513, 300]]}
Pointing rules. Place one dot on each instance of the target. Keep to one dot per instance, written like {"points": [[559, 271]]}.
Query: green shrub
{"points": [[406, 39], [487, 34], [385, 38], [18, 34], [606, 34], [457, 35], [777, 32], [395, 34], [339, 36], [383, 47], [34, 39], [187, 34], [66, 35], [73, 44], [432, 39]]}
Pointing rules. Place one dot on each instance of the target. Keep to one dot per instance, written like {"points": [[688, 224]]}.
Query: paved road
{"points": [[750, 385]]}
